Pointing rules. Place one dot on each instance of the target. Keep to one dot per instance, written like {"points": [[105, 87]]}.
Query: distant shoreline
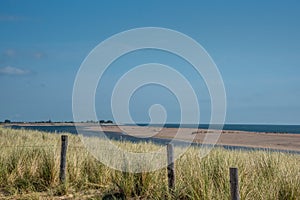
{"points": [[255, 128], [278, 141]]}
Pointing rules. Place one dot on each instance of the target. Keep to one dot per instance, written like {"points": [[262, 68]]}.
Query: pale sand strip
{"points": [[232, 138], [280, 141]]}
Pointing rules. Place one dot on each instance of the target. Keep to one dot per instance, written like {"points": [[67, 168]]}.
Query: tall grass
{"points": [[29, 163]]}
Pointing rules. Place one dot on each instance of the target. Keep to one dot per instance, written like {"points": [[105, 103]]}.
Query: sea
{"points": [[293, 129]]}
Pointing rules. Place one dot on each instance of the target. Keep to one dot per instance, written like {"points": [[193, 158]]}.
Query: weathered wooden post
{"points": [[171, 167], [234, 183], [63, 158]]}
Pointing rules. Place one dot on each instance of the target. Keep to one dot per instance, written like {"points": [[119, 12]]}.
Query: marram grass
{"points": [[29, 168]]}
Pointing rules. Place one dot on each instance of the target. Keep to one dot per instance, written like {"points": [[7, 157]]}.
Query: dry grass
{"points": [[29, 169]]}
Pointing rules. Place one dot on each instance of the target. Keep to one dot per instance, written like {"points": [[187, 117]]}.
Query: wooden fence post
{"points": [[171, 167], [63, 158], [234, 183]]}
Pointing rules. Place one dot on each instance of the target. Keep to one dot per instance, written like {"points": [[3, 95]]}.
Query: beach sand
{"points": [[280, 141]]}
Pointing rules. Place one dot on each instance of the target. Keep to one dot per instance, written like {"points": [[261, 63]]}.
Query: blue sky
{"points": [[255, 44]]}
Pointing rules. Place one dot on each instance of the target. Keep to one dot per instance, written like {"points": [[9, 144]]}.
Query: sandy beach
{"points": [[282, 141]]}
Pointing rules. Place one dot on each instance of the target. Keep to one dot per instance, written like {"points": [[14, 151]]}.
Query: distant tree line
{"points": [[105, 122], [100, 121], [7, 121]]}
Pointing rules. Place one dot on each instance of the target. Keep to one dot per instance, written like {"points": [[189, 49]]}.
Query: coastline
{"points": [[278, 141], [265, 140]]}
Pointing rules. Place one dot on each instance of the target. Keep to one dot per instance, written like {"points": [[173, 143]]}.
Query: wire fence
{"points": [[63, 145]]}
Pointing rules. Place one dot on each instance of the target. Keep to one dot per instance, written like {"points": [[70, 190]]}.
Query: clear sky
{"points": [[255, 44]]}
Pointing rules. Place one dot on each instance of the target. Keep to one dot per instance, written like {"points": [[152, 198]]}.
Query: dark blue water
{"points": [[51, 129], [295, 129], [122, 136], [240, 127]]}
